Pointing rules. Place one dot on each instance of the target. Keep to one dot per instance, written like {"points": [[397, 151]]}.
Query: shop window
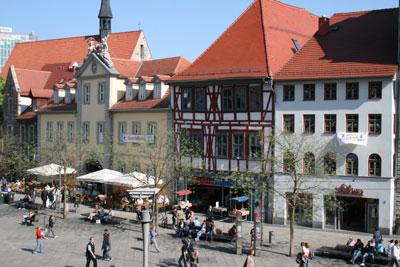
{"points": [[352, 91], [330, 91], [352, 164], [309, 124], [309, 164], [222, 145], [375, 123], [375, 90], [374, 165], [330, 164], [352, 123], [288, 123], [308, 92], [288, 92], [330, 123], [238, 145]]}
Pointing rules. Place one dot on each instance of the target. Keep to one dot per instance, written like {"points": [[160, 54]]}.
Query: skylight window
{"points": [[296, 44]]}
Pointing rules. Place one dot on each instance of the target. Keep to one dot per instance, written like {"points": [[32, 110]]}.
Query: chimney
{"points": [[323, 26]]}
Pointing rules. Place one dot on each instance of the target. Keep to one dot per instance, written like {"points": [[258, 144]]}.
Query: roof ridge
{"points": [[363, 11], [291, 6], [33, 70], [265, 38], [165, 58], [220, 36], [75, 37]]}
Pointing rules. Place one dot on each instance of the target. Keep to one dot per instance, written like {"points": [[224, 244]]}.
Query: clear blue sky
{"points": [[172, 27]]}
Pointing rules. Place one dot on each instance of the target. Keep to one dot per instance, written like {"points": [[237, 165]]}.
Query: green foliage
{"points": [[15, 157], [2, 87]]}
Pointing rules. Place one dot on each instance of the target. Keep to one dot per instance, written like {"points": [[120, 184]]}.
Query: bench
{"points": [[114, 219], [345, 253], [34, 206]]}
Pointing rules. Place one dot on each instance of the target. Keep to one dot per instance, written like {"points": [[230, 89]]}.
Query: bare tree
{"points": [[294, 163]]}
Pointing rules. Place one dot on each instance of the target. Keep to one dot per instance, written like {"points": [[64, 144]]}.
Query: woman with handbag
{"points": [[250, 259]]}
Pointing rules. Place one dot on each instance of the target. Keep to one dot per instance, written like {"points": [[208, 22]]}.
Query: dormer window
{"points": [[56, 97], [157, 90], [129, 93], [142, 91]]}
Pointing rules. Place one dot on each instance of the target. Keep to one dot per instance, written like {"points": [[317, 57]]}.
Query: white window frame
{"points": [[100, 132], [86, 132], [86, 94], [101, 89], [142, 92], [121, 131], [157, 90]]}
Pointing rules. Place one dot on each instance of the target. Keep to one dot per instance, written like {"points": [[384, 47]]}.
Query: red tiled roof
{"points": [[124, 105], [61, 107], [126, 67], [28, 114], [41, 93], [36, 55], [31, 79], [147, 79], [162, 77], [360, 44], [164, 66], [257, 44]]}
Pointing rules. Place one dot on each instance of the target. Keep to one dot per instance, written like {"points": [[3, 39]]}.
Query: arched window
{"points": [[330, 164], [374, 165], [309, 163], [351, 164], [288, 162]]}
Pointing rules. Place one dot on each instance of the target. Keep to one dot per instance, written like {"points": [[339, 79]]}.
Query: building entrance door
{"points": [[372, 217]]}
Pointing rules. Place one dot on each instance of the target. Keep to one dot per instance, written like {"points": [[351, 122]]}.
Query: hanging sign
{"points": [[352, 138]]}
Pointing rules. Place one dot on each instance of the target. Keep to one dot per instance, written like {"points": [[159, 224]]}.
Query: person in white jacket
{"points": [[395, 254]]}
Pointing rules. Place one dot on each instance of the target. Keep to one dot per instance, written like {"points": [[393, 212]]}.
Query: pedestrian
{"points": [[357, 251], [201, 231], [50, 226], [39, 241], [377, 236], [209, 230], [106, 247], [184, 253], [91, 253], [249, 259], [153, 238], [194, 256], [394, 254], [209, 214]]}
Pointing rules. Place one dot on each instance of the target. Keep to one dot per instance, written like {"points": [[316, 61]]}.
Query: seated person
{"points": [[369, 252], [108, 216], [380, 247], [357, 251], [95, 212], [232, 232], [24, 202], [196, 223], [351, 242], [29, 218], [181, 229]]}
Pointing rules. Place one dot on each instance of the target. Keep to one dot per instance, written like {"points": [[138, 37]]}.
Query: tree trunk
{"points": [[65, 195], [291, 234], [155, 212]]}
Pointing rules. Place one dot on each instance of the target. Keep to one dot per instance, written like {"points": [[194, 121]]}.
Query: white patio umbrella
{"points": [[142, 180], [104, 176], [50, 170]]}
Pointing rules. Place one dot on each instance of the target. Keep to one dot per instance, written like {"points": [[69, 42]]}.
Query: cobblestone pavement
{"points": [[17, 242]]}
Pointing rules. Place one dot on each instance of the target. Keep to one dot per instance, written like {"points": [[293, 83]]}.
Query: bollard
{"points": [[271, 233], [146, 219], [239, 241]]}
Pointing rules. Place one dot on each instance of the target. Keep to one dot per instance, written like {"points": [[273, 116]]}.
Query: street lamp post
{"points": [[146, 219]]}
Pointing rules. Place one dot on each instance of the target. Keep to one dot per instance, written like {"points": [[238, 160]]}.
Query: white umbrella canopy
{"points": [[104, 176], [142, 180], [50, 170]]}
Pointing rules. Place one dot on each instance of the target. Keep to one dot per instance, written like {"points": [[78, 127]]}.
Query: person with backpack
{"points": [[184, 253], [250, 259], [106, 247], [91, 253]]}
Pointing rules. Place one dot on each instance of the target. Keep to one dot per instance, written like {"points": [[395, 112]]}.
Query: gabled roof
{"points": [[41, 93], [28, 114], [126, 67], [257, 44], [359, 44], [31, 79], [135, 104], [165, 66], [60, 107], [36, 55]]}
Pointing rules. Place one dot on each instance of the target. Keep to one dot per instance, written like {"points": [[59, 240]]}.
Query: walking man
{"points": [[106, 247], [91, 253], [50, 226], [39, 241], [184, 253], [153, 238]]}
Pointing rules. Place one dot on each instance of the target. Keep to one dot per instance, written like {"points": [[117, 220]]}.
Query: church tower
{"points": [[105, 17]]}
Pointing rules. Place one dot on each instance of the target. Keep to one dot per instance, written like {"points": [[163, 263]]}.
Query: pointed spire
{"points": [[105, 10]]}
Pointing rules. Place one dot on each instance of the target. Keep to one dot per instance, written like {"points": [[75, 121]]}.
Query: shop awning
{"points": [[241, 198], [183, 192]]}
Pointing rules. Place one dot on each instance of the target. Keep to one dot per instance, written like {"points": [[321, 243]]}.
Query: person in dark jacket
{"points": [[357, 251], [369, 252], [106, 247], [209, 214], [377, 236], [91, 253], [50, 226], [184, 253]]}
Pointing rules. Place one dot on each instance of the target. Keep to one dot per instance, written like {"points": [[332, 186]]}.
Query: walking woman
{"points": [[250, 259], [153, 238], [106, 247]]}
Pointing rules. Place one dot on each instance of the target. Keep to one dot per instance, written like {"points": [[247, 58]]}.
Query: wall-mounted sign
{"points": [[211, 182], [348, 190], [352, 138], [138, 139]]}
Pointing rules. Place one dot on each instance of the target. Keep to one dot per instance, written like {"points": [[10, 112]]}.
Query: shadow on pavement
{"points": [[135, 248]]}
